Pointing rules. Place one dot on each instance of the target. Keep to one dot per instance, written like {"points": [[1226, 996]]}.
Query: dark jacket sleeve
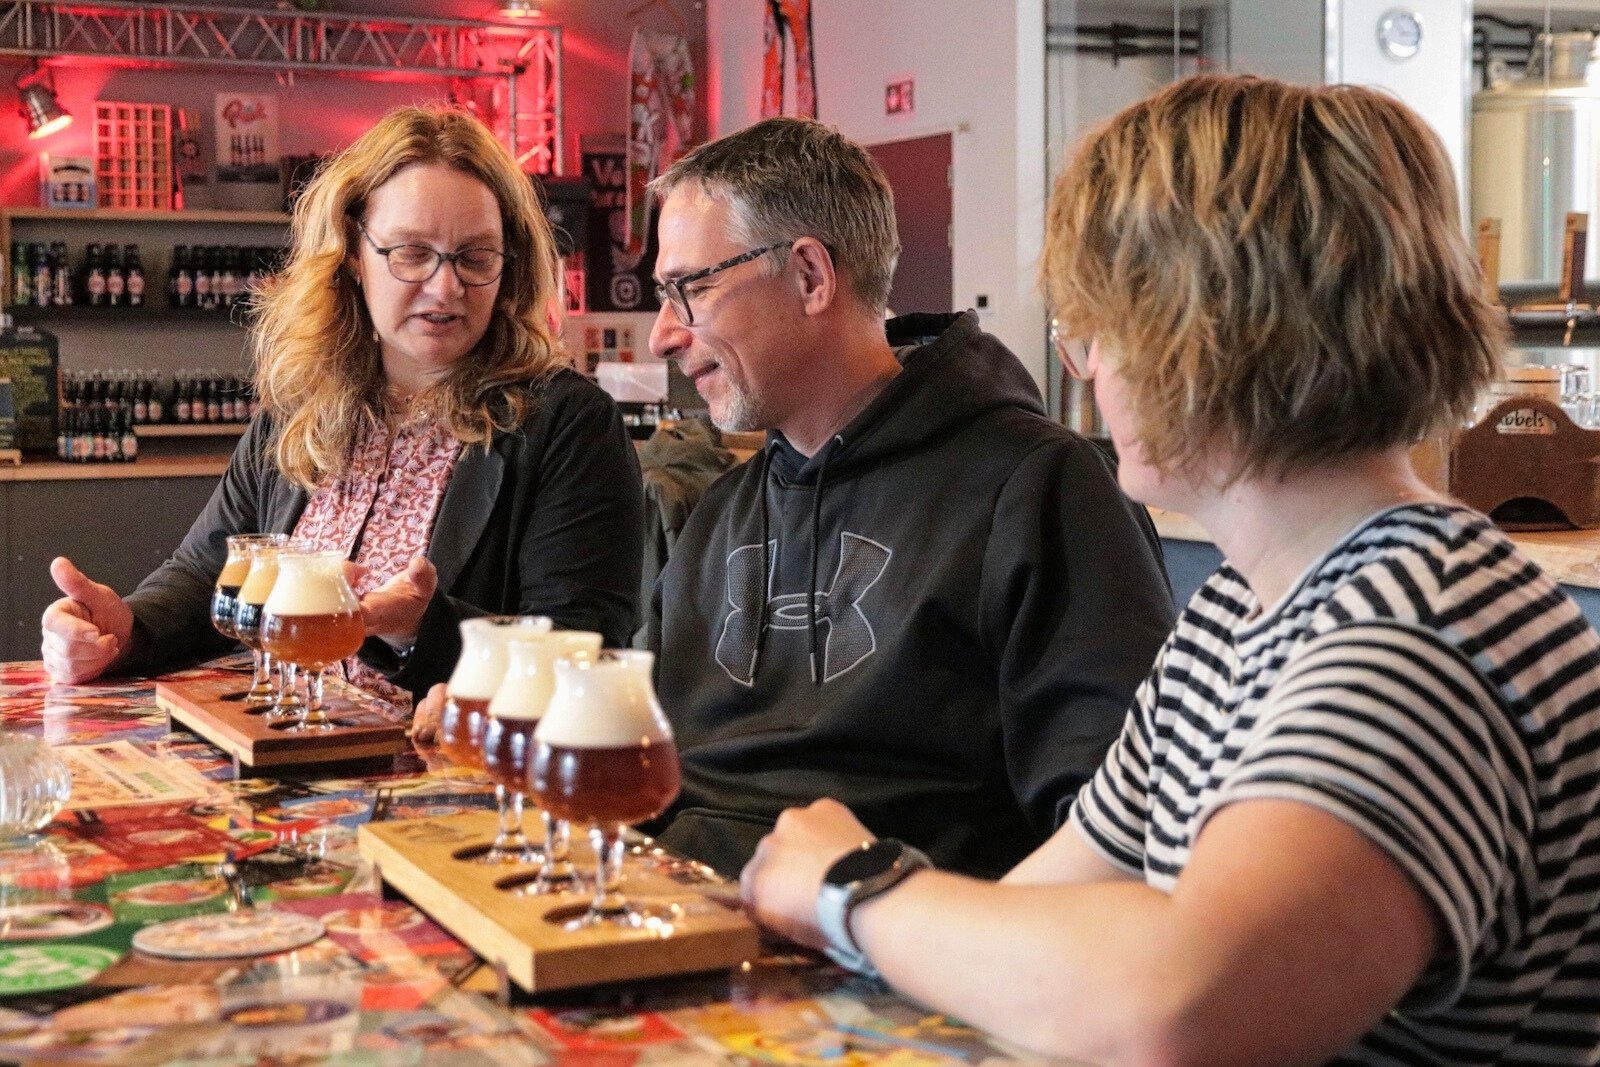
{"points": [[171, 607], [1075, 607], [572, 487]]}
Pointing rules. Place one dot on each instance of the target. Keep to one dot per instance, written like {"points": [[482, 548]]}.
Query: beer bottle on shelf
{"points": [[95, 270], [60, 275], [180, 280], [130, 440], [155, 401], [202, 277], [215, 253], [213, 399], [141, 399], [180, 398], [116, 281], [21, 277], [64, 435], [44, 288], [228, 288], [135, 273]]}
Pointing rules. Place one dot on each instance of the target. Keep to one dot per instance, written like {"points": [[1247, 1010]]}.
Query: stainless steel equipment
{"points": [[1536, 155]]}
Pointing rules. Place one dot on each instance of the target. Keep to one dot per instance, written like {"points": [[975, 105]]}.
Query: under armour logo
{"points": [[849, 638]]}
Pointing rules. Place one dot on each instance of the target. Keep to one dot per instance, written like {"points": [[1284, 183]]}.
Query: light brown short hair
{"points": [[786, 178], [1276, 269]]}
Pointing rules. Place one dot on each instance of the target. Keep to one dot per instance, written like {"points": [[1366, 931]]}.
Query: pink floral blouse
{"points": [[383, 507]]}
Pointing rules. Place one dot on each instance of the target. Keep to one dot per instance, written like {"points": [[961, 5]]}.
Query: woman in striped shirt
{"points": [[1351, 816]]}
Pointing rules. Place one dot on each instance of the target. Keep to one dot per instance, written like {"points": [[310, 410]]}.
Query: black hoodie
{"points": [[986, 601]]}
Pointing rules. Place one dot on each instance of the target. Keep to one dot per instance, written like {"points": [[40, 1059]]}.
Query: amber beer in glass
{"points": [[514, 712], [477, 674], [605, 757], [261, 575], [312, 620]]}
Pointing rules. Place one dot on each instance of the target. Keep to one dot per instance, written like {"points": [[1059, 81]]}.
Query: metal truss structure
{"points": [[526, 58]]}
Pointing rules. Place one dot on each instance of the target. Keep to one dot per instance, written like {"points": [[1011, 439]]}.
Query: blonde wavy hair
{"points": [[318, 369], [1278, 270]]}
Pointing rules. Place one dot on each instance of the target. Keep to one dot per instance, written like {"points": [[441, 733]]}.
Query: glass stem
{"points": [[509, 804], [313, 716], [557, 866], [261, 679], [608, 899]]}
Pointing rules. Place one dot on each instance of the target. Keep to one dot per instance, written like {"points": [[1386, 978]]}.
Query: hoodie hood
{"points": [[955, 374]]}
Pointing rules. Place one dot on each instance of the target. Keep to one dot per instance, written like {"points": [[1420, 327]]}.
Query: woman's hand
{"points": [[425, 719], [85, 631], [393, 611], [780, 883]]}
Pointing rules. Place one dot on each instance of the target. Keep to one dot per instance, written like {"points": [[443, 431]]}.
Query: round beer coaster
{"points": [[52, 920], [230, 935], [43, 968]]}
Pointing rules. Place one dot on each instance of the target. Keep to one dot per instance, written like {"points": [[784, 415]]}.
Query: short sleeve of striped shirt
{"points": [[1388, 729], [1113, 806]]}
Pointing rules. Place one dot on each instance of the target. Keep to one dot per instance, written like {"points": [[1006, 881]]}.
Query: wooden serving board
{"points": [[366, 727], [418, 858]]}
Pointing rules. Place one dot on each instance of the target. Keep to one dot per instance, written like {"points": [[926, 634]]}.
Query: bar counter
{"points": [[1572, 557], [385, 984]]}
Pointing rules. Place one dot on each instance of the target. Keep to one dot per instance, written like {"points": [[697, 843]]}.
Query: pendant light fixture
{"points": [[39, 107]]}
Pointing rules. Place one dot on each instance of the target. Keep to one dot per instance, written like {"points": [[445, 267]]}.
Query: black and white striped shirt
{"points": [[1428, 685]]}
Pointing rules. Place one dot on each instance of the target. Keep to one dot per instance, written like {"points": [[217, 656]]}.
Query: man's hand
{"points": [[780, 883], [86, 630], [425, 719], [393, 611]]}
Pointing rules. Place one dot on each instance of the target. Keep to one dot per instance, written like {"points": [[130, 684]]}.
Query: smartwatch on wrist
{"points": [[857, 876]]}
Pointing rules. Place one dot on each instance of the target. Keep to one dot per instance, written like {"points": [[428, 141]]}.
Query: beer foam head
{"points": [[482, 664], [234, 570], [607, 702], [311, 584], [260, 579], [529, 677]]}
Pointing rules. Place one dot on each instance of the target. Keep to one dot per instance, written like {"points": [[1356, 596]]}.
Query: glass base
{"points": [[525, 856]]}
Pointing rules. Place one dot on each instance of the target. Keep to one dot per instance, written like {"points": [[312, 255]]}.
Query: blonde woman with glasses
{"points": [[1351, 814], [417, 415]]}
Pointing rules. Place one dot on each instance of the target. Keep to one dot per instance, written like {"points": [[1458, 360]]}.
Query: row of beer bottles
{"points": [[217, 276], [88, 434], [43, 277], [149, 397]]}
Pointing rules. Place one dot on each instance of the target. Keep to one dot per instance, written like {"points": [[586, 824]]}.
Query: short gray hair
{"points": [[787, 178]]}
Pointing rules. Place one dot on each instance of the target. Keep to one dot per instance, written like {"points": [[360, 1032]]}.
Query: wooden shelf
{"points": [[190, 429], [102, 214], [174, 467], [114, 316]]}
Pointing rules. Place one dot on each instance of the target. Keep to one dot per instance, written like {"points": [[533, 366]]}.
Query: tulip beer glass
{"points": [[261, 574], [312, 620], [604, 757], [508, 743]]}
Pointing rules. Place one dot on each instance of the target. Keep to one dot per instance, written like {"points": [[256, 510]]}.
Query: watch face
{"points": [[860, 863]]}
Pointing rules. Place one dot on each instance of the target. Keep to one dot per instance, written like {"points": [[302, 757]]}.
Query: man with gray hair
{"points": [[923, 598]]}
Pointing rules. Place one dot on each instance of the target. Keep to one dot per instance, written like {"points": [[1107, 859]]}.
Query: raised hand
{"points": [[86, 630]]}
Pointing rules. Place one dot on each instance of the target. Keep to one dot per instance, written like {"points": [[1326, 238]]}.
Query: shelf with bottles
{"points": [[191, 403], [46, 282]]}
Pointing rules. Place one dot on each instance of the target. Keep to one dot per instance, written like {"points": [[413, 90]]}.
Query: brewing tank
{"points": [[1536, 156]]}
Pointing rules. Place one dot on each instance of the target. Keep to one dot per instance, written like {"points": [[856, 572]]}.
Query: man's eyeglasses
{"points": [[672, 291], [419, 263], [1072, 351]]}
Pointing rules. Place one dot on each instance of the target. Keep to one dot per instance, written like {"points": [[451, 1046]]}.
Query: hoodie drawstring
{"points": [[816, 535], [766, 559]]}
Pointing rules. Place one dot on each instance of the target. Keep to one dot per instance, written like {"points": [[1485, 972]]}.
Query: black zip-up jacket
{"points": [[548, 520], [959, 604]]}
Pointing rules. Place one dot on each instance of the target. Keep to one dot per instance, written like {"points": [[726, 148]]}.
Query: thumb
{"points": [[77, 585], [422, 574]]}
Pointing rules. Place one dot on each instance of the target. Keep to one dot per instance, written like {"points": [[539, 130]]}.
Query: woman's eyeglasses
{"points": [[419, 263], [1072, 351]]}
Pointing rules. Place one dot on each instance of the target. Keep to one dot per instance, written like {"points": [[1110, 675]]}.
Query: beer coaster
{"points": [[229, 935], [52, 921], [44, 968]]}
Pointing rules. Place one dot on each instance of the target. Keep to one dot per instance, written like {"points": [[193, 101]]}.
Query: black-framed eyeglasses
{"points": [[419, 263], [672, 292], [1073, 352]]}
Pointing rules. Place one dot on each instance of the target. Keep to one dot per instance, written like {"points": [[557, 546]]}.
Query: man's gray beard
{"points": [[742, 415]]}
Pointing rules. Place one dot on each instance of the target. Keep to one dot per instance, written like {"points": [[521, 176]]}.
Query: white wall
{"points": [[979, 70]]}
